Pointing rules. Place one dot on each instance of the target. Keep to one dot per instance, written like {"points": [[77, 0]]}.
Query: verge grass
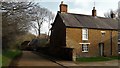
{"points": [[96, 59], [9, 55]]}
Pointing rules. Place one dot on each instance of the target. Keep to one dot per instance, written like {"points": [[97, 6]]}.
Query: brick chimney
{"points": [[94, 12], [63, 7]]}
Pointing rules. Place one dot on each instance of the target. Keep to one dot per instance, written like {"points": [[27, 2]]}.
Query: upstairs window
{"points": [[84, 34]]}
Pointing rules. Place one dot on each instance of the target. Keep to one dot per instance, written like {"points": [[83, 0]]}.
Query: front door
{"points": [[101, 49]]}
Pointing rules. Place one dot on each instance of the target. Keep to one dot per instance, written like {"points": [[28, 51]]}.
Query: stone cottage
{"points": [[87, 35]]}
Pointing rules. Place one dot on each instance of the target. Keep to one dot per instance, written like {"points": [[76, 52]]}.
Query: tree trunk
{"points": [[38, 32]]}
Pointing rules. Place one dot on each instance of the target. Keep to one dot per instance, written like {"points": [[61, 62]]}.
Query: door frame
{"points": [[101, 49]]}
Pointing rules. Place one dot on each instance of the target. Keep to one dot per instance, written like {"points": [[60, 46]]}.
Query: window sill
{"points": [[85, 51], [84, 43], [84, 39]]}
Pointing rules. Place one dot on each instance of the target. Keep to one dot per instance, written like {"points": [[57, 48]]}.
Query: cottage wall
{"points": [[74, 37], [58, 33]]}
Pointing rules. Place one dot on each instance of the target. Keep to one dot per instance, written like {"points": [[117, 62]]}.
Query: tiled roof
{"points": [[88, 21]]}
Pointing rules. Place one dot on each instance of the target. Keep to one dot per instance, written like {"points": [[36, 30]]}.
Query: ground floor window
{"points": [[84, 47]]}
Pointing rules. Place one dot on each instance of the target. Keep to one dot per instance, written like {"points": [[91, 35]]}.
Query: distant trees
{"points": [[15, 20], [19, 17], [108, 14], [118, 12]]}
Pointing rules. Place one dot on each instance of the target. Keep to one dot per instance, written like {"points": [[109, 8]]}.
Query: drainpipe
{"points": [[111, 42]]}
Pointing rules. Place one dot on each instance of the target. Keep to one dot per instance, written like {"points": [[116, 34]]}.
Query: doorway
{"points": [[101, 49]]}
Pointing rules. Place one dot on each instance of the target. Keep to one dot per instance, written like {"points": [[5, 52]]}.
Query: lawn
{"points": [[8, 55], [96, 59]]}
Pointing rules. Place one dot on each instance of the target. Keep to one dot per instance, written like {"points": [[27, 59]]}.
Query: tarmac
{"points": [[32, 60]]}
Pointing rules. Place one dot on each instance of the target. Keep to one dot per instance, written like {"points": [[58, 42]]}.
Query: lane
{"points": [[30, 59]]}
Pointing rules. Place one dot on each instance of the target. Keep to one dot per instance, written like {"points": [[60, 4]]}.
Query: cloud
{"points": [[74, 1], [85, 6], [44, 28], [79, 11], [15, 1], [79, 1], [100, 12]]}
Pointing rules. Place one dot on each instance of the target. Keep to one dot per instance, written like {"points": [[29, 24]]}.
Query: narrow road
{"points": [[32, 60]]}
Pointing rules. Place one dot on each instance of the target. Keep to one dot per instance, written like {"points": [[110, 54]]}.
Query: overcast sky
{"points": [[81, 6], [78, 6]]}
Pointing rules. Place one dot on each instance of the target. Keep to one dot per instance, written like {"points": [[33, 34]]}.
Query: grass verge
{"points": [[0, 60], [9, 55], [115, 57], [96, 59]]}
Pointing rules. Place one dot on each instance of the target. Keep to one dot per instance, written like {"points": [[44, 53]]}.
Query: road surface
{"points": [[32, 60]]}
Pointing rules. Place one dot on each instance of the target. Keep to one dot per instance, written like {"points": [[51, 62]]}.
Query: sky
{"points": [[77, 6], [81, 6]]}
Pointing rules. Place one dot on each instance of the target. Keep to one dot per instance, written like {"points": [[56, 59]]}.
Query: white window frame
{"points": [[84, 47], [84, 34]]}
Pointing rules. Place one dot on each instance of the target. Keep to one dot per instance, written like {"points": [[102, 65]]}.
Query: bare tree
{"points": [[40, 16], [50, 20], [15, 20], [108, 14], [19, 17]]}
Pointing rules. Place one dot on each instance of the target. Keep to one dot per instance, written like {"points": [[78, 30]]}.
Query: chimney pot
{"points": [[61, 2]]}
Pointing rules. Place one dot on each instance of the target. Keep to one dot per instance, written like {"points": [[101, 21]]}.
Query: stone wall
{"points": [[74, 37]]}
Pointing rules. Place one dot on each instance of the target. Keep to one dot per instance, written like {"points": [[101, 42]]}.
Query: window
{"points": [[103, 33], [84, 47], [85, 34]]}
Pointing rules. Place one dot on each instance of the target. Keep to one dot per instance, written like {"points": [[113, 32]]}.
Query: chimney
{"points": [[63, 7], [94, 12], [112, 15]]}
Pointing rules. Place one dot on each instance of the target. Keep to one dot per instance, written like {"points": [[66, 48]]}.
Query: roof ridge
{"points": [[88, 15]]}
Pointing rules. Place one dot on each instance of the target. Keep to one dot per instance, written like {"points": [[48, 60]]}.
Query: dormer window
{"points": [[84, 34]]}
